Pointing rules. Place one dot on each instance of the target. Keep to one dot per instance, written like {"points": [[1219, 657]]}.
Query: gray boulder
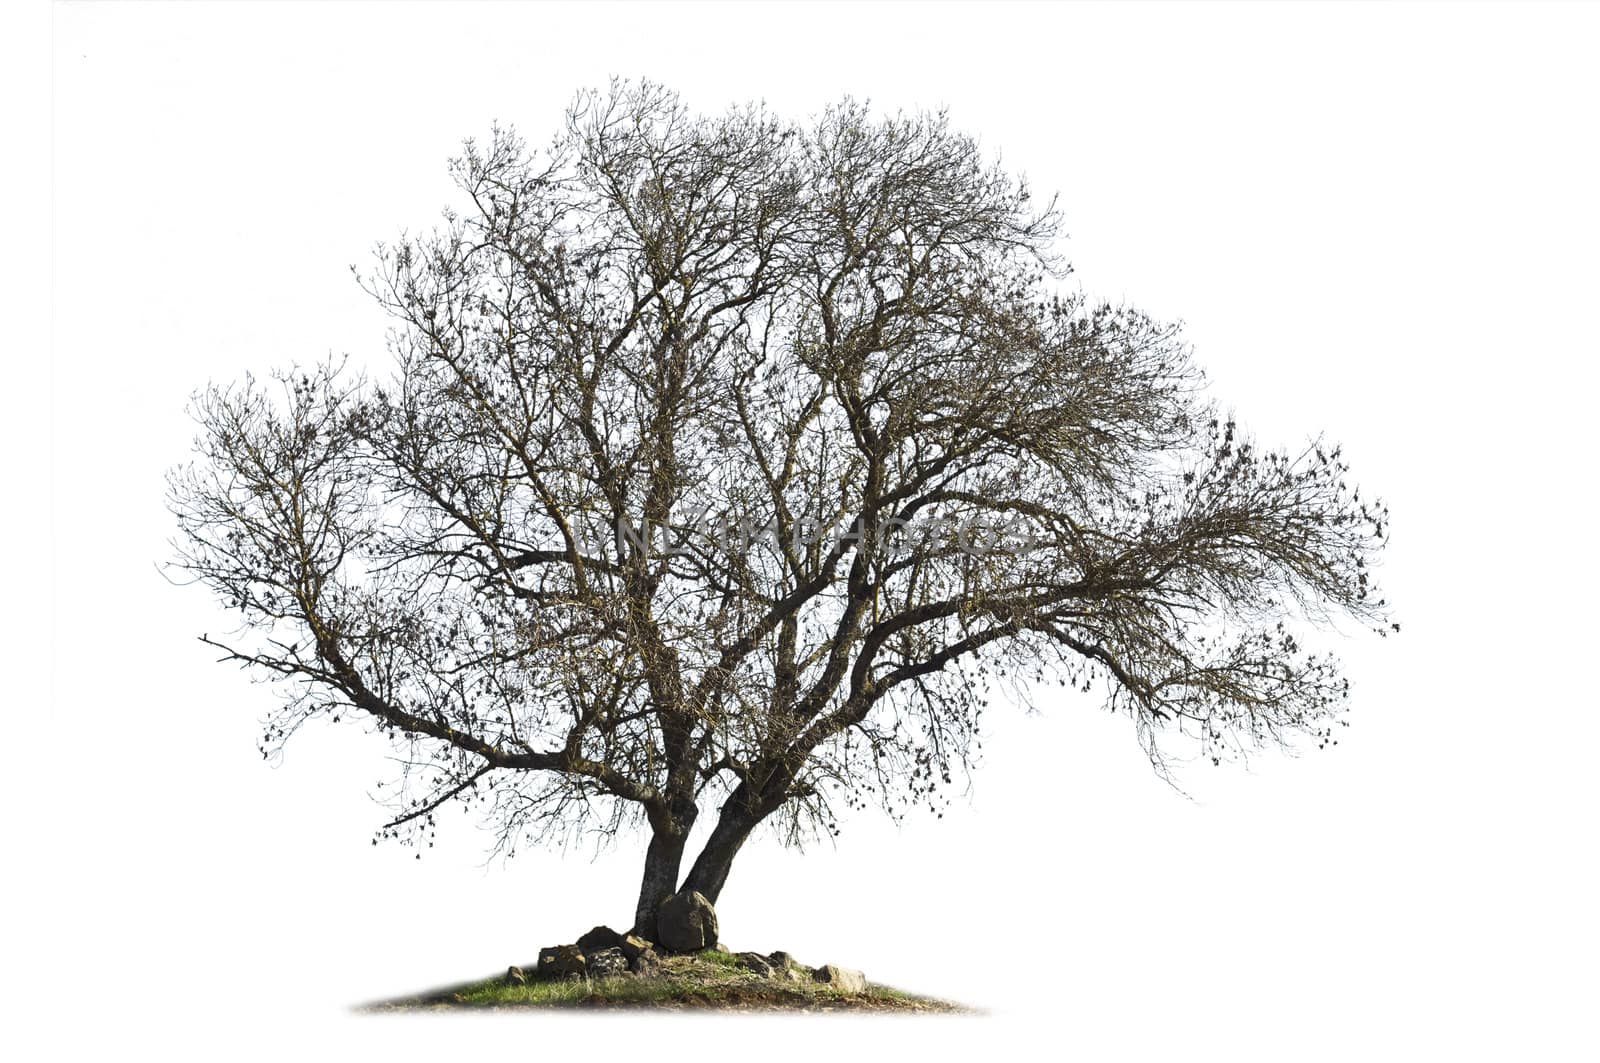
{"points": [[606, 963], [686, 922], [841, 978]]}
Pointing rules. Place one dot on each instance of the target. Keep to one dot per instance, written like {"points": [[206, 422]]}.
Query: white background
{"points": [[1377, 221]]}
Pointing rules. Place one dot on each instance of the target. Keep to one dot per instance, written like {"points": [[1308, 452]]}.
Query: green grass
{"points": [[717, 958], [495, 992], [705, 980]]}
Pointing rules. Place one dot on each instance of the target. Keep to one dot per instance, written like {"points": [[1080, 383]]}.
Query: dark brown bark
{"points": [[710, 871], [662, 861]]}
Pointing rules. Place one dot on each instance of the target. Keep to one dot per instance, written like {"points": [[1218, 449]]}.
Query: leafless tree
{"points": [[725, 464]]}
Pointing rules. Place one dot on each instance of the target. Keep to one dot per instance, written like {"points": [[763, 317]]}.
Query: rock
{"points": [[841, 978], [606, 963], [561, 961], [686, 922], [601, 937], [641, 955], [784, 966], [514, 976], [754, 961], [632, 945], [717, 946]]}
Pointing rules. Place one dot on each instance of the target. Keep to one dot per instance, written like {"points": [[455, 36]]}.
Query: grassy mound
{"points": [[708, 980]]}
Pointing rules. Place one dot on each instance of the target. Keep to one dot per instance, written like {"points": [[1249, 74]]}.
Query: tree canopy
{"points": [[728, 463]]}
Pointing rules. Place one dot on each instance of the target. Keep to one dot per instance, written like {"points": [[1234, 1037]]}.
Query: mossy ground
{"points": [[709, 980]]}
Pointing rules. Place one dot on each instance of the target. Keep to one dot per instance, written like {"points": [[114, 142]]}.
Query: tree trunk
{"points": [[661, 862], [710, 871]]}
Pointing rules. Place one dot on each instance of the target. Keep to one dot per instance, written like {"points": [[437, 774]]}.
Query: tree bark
{"points": [[710, 871], [661, 863]]}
